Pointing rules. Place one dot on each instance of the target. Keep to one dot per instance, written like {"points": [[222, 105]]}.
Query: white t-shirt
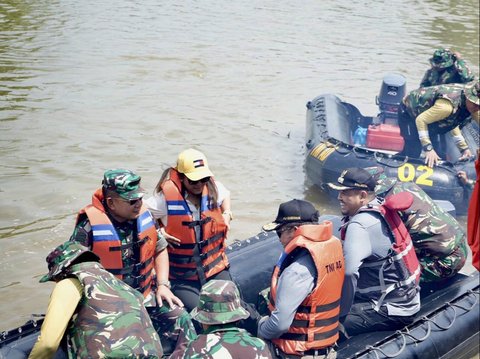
{"points": [[158, 205]]}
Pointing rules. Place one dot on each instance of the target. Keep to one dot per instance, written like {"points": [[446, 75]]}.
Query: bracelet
{"points": [[166, 283], [229, 213]]}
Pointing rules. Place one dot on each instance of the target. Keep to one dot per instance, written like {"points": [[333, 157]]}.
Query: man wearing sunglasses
{"points": [[194, 212], [120, 230], [306, 285]]}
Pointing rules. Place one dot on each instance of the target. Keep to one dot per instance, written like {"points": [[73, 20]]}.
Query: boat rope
{"points": [[427, 322]]}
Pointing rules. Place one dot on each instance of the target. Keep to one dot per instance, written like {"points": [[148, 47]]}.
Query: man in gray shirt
{"points": [[306, 285], [367, 303]]}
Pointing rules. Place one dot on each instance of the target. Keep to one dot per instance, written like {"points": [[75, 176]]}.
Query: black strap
{"points": [[211, 240], [129, 245], [134, 268], [304, 337], [318, 323], [318, 308], [199, 223]]}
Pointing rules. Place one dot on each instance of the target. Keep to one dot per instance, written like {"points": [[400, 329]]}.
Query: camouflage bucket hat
{"points": [[124, 182], [472, 92], [63, 256], [219, 303], [442, 58]]}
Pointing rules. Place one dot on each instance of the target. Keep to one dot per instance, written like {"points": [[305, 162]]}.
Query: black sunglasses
{"points": [[131, 202], [283, 229], [203, 180]]}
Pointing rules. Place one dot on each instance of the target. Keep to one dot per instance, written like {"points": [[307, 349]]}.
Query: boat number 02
{"points": [[407, 172]]}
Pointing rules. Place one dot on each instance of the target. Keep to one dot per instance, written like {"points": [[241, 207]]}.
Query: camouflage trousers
{"points": [[171, 324]]}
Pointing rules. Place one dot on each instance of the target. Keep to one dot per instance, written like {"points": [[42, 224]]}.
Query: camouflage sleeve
{"points": [[426, 79], [465, 73], [161, 243], [83, 233]]}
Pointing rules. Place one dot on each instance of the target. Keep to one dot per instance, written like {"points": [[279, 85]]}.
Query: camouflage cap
{"points": [[472, 92], [63, 256], [442, 58], [124, 182], [219, 303]]}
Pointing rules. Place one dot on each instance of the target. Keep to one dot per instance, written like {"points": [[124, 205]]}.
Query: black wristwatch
{"points": [[427, 147]]}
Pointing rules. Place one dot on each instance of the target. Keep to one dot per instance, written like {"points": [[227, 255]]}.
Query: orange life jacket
{"points": [[399, 272], [315, 324], [193, 260], [107, 245]]}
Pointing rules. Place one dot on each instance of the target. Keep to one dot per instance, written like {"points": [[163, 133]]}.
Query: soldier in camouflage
{"points": [[120, 200], [440, 242], [101, 316], [219, 311], [435, 111], [447, 68]]}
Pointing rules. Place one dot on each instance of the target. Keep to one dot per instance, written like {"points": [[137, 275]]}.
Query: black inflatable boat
{"points": [[338, 136], [446, 327]]}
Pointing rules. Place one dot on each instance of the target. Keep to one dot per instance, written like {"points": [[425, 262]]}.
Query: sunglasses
{"points": [[283, 229], [131, 202], [203, 180]]}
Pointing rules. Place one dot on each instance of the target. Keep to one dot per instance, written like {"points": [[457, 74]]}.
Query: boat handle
{"points": [[380, 160], [357, 154], [404, 344]]}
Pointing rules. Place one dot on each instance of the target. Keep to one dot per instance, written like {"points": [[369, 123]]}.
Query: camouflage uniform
{"points": [[169, 323], [439, 241], [220, 308], [446, 69], [420, 100], [110, 320]]}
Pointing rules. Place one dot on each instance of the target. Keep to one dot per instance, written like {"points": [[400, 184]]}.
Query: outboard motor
{"points": [[391, 95]]}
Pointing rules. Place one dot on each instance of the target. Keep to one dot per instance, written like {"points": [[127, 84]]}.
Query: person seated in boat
{"points": [[306, 284], [219, 312], [194, 213], [95, 310], [119, 229], [380, 291], [435, 111], [439, 240], [447, 67]]}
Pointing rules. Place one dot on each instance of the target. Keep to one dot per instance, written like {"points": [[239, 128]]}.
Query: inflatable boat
{"points": [[338, 136], [446, 327]]}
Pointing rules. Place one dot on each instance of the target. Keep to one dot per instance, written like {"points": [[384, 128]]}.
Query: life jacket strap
{"points": [[138, 243], [304, 337], [199, 223], [318, 323], [132, 268]]}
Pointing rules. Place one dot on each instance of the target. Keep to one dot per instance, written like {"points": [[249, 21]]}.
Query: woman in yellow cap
{"points": [[194, 213]]}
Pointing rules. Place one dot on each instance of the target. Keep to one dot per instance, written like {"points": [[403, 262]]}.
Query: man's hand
{"points": [[164, 293], [431, 158], [466, 155], [172, 241]]}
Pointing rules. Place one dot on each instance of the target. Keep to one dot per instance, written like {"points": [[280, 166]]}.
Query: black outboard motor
{"points": [[391, 95]]}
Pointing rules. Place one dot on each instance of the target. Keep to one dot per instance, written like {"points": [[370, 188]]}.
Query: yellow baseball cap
{"points": [[193, 164]]}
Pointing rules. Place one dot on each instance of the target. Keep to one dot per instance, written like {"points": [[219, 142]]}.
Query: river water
{"points": [[91, 85]]}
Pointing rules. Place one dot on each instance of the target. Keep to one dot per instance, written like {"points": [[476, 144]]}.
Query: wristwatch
{"points": [[427, 147], [166, 283]]}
